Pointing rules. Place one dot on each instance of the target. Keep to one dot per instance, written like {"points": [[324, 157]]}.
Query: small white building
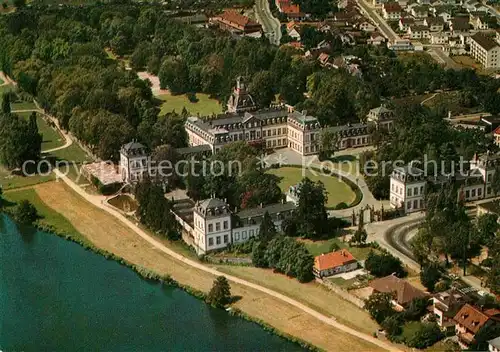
{"points": [[381, 117], [419, 32], [439, 38], [408, 188], [135, 161]]}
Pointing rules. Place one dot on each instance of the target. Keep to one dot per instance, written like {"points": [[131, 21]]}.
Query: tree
{"points": [[430, 276], [329, 141], [493, 278], [416, 309], [19, 3], [290, 257], [359, 237], [384, 264], [379, 305], [262, 89], [495, 182], [259, 255], [267, 229], [427, 335], [25, 212], [6, 103], [487, 226], [220, 293], [392, 325], [311, 211], [486, 333]]}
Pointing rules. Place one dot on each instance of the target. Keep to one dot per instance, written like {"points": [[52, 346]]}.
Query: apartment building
{"points": [[485, 50]]}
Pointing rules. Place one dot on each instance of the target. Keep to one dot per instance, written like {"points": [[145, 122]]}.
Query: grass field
{"points": [[450, 101], [72, 153], [9, 181], [204, 106], [108, 233], [320, 247], [22, 105], [312, 294], [51, 137], [338, 191], [49, 216]]}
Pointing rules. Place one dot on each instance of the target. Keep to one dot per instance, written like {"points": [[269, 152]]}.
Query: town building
{"points": [[240, 100], [391, 11], [292, 11], [407, 188], [485, 50], [405, 23], [419, 32], [402, 291], [333, 263], [496, 136], [469, 320], [439, 38], [446, 305], [435, 24], [494, 345], [237, 23], [376, 39]]}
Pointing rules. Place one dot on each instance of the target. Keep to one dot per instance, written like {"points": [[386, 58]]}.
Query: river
{"points": [[56, 296]]}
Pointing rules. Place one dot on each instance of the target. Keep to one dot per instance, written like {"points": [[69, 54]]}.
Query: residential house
{"points": [[329, 264], [420, 11], [293, 30], [407, 190], [439, 38], [469, 320], [435, 24], [496, 136], [479, 22], [485, 50], [419, 32], [324, 59], [366, 26], [494, 345], [405, 23], [237, 23], [402, 291], [376, 39], [445, 12], [446, 305], [391, 11], [296, 45], [400, 45], [459, 25], [292, 11]]}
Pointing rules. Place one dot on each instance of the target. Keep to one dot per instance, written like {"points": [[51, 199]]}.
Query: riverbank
{"points": [[109, 234]]}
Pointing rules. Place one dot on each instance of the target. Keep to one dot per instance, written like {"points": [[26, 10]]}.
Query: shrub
{"points": [[26, 213], [426, 335], [384, 264], [341, 206]]}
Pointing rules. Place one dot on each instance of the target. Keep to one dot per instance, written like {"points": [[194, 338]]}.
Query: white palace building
{"points": [[408, 184]]}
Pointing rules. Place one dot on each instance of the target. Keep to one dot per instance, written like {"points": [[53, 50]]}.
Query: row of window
{"points": [[225, 225], [472, 193], [273, 132], [218, 240], [417, 204], [409, 192], [276, 142]]}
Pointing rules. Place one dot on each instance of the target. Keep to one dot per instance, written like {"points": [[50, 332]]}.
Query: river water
{"points": [[56, 296]]}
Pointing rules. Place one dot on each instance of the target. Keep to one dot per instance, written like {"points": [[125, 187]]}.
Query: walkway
{"points": [[98, 201], [67, 138], [270, 24]]}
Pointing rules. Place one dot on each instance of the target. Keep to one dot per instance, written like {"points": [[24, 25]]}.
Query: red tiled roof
{"points": [[392, 7], [333, 259], [403, 290], [472, 318], [290, 9], [497, 130], [238, 19]]}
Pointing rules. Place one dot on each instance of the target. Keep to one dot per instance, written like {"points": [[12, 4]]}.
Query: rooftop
{"points": [[271, 209], [238, 19], [404, 292], [333, 259], [472, 318], [485, 42]]}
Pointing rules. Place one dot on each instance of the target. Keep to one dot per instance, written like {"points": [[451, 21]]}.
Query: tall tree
{"points": [[311, 211], [220, 293]]}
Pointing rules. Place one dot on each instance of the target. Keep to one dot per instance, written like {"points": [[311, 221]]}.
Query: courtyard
{"points": [[338, 191]]}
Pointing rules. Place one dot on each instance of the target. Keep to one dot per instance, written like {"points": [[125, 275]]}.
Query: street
{"points": [[382, 25], [270, 24], [439, 55]]}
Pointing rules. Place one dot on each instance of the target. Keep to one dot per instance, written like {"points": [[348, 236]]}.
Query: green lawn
{"points": [[76, 156], [319, 247], [51, 137], [49, 216], [338, 191], [409, 329], [9, 181], [205, 106], [22, 105]]}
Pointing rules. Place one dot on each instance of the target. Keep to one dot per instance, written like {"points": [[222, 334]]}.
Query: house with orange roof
{"points": [[291, 10], [402, 291], [337, 262], [469, 320], [496, 136], [237, 23]]}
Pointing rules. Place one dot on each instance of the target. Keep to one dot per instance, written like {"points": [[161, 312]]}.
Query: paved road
{"points": [[99, 201], [271, 25], [382, 25]]}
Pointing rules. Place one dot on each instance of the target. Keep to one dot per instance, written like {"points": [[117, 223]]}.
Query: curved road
{"points": [[270, 24], [98, 201]]}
